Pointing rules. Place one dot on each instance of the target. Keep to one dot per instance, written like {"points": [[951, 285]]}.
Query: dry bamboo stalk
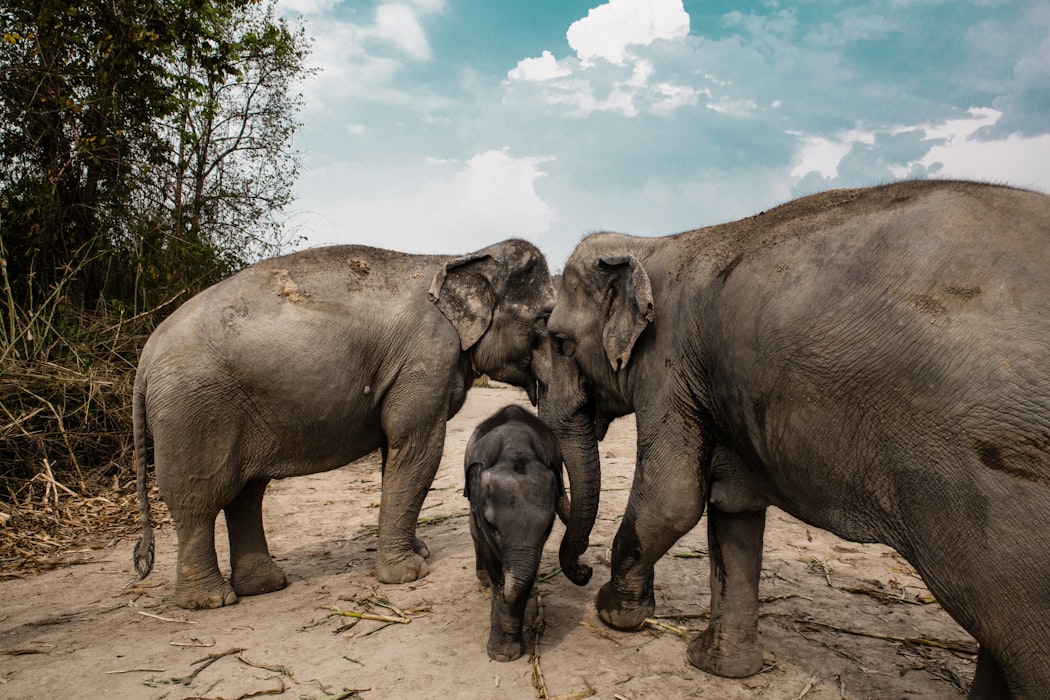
{"points": [[370, 616]]}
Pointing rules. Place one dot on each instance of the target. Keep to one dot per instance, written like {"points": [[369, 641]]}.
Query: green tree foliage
{"points": [[145, 145], [145, 152]]}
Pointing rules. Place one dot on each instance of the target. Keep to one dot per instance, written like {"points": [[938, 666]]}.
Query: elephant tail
{"points": [[144, 548]]}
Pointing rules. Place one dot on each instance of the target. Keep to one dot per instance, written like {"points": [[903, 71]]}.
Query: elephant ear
{"points": [[463, 292], [472, 482], [629, 307]]}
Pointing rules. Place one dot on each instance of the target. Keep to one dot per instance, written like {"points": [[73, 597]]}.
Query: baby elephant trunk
{"points": [[519, 573]]}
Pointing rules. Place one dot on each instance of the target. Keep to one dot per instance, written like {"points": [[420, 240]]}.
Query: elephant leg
{"points": [[480, 568], [506, 641], [408, 471], [662, 508], [729, 645], [198, 583], [253, 571], [988, 681]]}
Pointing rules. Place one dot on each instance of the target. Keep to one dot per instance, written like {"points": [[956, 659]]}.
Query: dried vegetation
{"points": [[66, 455]]}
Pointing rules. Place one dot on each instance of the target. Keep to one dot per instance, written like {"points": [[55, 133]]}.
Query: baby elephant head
{"points": [[514, 485]]}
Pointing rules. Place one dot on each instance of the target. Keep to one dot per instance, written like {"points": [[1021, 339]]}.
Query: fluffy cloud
{"points": [[399, 25], [538, 69], [950, 149], [609, 72], [608, 30], [362, 59]]}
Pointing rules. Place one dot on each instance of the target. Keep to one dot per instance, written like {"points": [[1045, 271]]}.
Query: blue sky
{"points": [[441, 126]]}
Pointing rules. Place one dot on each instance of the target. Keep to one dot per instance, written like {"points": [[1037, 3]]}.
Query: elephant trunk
{"points": [[519, 574], [579, 446]]}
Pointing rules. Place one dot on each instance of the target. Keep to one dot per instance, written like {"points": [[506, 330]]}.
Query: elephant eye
{"points": [[563, 346]]}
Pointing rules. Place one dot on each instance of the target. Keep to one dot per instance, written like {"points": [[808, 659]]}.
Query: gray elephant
{"points": [[875, 362], [514, 485], [306, 362]]}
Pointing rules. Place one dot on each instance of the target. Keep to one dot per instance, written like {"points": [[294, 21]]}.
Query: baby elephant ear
{"points": [[472, 480], [630, 309], [462, 290]]}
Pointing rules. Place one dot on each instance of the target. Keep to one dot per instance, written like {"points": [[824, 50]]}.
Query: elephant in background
{"points": [[306, 362], [875, 362], [514, 485]]}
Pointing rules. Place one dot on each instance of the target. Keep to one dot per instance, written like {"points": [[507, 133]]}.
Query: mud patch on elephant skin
{"points": [[232, 316], [1014, 464], [359, 266], [925, 304], [286, 287], [964, 293]]}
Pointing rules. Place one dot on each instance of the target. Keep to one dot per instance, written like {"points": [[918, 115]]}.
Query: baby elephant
{"points": [[514, 484]]}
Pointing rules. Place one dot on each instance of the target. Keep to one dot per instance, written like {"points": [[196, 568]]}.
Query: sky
{"points": [[442, 126]]}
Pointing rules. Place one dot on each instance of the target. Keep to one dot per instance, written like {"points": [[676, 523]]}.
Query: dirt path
{"points": [[831, 613]]}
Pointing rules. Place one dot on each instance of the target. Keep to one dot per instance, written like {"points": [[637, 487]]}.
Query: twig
{"points": [[137, 670], [165, 619], [548, 577], [961, 646], [283, 670], [186, 680], [539, 626], [693, 554], [193, 643], [883, 596], [370, 616], [809, 686], [670, 628], [578, 694]]}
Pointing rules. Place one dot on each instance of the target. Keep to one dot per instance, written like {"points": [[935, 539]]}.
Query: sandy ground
{"points": [[840, 620]]}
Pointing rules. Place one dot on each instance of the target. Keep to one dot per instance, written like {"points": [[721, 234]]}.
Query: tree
{"points": [[230, 168], [145, 145]]}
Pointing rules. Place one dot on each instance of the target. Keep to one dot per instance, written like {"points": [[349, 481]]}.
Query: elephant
{"points": [[873, 361], [514, 484], [305, 362]]}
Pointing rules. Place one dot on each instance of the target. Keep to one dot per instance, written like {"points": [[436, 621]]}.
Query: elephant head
{"points": [[589, 356], [498, 299]]}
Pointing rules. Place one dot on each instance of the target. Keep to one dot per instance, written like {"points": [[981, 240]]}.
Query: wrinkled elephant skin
{"points": [[514, 485], [875, 362], [306, 362]]}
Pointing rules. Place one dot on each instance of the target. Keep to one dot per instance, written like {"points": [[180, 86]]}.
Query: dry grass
{"points": [[66, 455]]}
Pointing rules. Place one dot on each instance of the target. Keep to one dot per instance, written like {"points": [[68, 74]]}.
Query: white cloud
{"points": [[399, 25], [628, 81], [608, 30], [436, 206], [364, 59], [1014, 160], [949, 149], [822, 155], [538, 69]]}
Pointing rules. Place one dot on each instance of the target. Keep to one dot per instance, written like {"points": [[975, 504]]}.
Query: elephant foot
{"points": [[420, 548], [200, 597], [401, 568], [503, 649], [256, 575], [622, 614], [722, 659]]}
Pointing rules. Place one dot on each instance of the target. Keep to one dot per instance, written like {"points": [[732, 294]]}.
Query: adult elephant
{"points": [[875, 362], [305, 362]]}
